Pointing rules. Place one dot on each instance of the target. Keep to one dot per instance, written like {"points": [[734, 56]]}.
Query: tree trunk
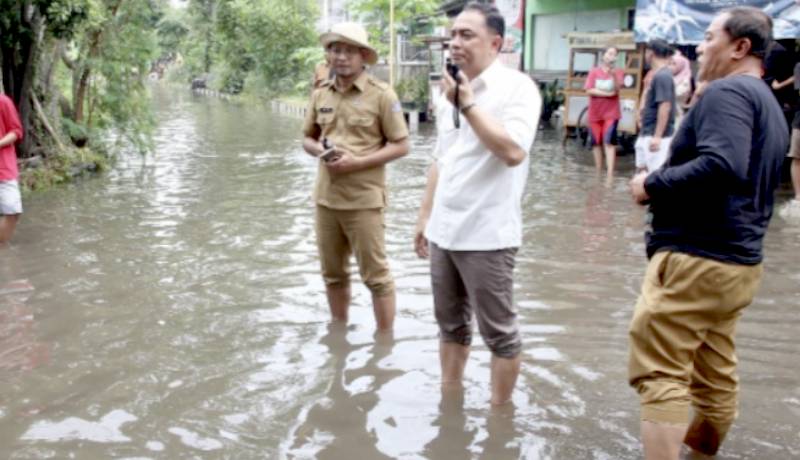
{"points": [[50, 93], [27, 86], [96, 40], [80, 95]]}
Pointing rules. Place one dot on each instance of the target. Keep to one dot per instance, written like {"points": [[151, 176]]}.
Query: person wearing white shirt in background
{"points": [[470, 219]]}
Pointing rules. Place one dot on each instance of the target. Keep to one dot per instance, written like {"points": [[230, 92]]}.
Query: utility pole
{"points": [[391, 43]]}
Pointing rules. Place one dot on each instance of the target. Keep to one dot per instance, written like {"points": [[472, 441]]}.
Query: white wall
{"points": [[550, 51]]}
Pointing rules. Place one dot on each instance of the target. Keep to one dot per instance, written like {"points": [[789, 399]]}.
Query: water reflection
{"points": [[175, 307], [335, 427], [502, 434], [20, 348], [454, 436]]}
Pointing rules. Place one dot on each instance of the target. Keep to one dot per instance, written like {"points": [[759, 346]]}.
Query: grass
{"points": [[62, 168]]}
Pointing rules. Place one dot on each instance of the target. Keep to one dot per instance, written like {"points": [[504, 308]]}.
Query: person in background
{"points": [[322, 72], [778, 73], [682, 75], [658, 111], [602, 85], [10, 201], [792, 208]]}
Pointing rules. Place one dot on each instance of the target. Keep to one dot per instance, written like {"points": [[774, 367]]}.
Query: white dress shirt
{"points": [[477, 203]]}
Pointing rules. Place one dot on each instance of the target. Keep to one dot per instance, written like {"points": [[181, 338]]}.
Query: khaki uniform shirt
{"points": [[361, 120]]}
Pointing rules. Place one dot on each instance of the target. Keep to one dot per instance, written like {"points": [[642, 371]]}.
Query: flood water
{"points": [[173, 309]]}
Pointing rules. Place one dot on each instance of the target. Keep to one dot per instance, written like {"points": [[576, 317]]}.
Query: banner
{"points": [[685, 21], [513, 12]]}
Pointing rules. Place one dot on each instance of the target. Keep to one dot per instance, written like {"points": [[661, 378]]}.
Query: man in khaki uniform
{"points": [[362, 118]]}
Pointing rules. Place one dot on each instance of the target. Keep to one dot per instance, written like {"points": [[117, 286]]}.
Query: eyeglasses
{"points": [[344, 50]]}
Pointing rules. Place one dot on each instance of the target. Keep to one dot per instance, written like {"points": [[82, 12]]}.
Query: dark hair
{"points": [[660, 48], [752, 24], [494, 20]]}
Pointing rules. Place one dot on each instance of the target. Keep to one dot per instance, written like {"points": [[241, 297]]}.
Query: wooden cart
{"points": [[586, 50]]}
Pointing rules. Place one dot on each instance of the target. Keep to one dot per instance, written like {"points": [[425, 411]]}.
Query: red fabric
{"points": [[604, 108], [9, 122], [600, 135]]}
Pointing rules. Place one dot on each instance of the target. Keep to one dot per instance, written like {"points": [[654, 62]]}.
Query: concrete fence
{"points": [[295, 109]]}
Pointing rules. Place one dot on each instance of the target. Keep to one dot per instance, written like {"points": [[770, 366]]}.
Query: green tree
{"points": [[260, 39], [78, 67], [201, 39], [26, 27], [407, 14], [109, 61]]}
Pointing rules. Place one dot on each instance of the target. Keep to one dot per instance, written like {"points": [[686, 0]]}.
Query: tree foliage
{"points": [[76, 70], [408, 15], [248, 45]]}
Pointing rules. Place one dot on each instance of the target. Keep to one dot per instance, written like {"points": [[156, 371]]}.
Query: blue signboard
{"points": [[685, 21]]}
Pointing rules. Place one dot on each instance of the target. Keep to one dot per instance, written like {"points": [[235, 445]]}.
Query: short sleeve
{"points": [[521, 114], [663, 88], [393, 123], [10, 118]]}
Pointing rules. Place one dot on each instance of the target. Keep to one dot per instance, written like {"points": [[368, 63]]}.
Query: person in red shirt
{"points": [[603, 85], [10, 135]]}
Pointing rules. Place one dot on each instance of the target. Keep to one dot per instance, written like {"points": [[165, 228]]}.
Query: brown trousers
{"points": [[682, 350], [341, 233]]}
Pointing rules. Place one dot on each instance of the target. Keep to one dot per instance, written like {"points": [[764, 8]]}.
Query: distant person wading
{"points": [[10, 201]]}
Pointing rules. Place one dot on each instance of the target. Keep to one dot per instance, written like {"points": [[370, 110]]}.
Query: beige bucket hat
{"points": [[353, 34]]}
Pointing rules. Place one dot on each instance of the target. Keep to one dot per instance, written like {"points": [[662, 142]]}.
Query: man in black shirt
{"points": [[710, 205], [778, 72], [658, 111]]}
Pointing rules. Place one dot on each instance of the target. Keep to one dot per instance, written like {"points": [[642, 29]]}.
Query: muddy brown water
{"points": [[172, 308]]}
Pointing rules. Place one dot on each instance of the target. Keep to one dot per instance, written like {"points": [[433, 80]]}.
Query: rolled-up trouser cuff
{"points": [[337, 284], [673, 412], [461, 336], [706, 436], [507, 347], [382, 289]]}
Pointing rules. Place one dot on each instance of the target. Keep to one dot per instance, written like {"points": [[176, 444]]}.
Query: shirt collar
{"points": [[360, 83], [488, 75]]}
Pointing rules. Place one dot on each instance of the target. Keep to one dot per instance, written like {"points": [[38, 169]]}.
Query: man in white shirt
{"points": [[470, 220]]}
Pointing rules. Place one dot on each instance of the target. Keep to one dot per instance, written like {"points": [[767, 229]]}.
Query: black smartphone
{"points": [[330, 150], [452, 69]]}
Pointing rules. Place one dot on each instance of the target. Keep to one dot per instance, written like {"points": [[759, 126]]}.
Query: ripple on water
{"points": [[105, 430], [187, 284]]}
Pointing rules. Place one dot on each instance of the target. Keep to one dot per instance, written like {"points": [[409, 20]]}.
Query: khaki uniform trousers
{"points": [[361, 231], [682, 350]]}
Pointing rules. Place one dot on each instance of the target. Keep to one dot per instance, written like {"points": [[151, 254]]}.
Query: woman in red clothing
{"points": [[603, 85], [10, 134]]}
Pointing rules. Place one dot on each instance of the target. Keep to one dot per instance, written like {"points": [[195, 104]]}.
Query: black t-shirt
{"points": [[714, 196], [662, 89], [779, 66]]}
